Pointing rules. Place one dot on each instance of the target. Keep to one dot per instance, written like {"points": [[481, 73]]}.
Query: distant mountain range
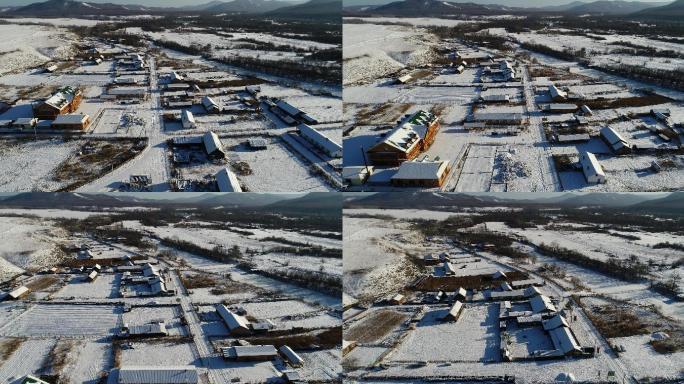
{"points": [[670, 203], [435, 8], [673, 11], [72, 8], [294, 203]]}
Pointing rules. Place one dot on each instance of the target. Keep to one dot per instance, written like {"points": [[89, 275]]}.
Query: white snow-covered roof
{"points": [[291, 355], [555, 92], [70, 119], [18, 292], [497, 116], [128, 91], [61, 98], [612, 136], [148, 329], [455, 309], [186, 374], [555, 322], [541, 303], [407, 135], [212, 143], [591, 166], [320, 140], [248, 351], [209, 103], [421, 170], [563, 340], [288, 108], [227, 181], [187, 116], [232, 320]]}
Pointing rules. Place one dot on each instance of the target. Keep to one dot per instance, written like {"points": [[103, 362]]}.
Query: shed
{"points": [[210, 105], [92, 276], [454, 312], [291, 356], [18, 292]]}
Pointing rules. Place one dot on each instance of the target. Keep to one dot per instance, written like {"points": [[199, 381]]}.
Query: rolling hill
{"points": [[671, 12]]}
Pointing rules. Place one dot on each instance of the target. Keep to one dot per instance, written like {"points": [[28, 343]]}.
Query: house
{"points": [[213, 146], [126, 80], [405, 141], [226, 181], [291, 356], [615, 141], [64, 101], [454, 312], [92, 276], [505, 286], [563, 340], [556, 321], [210, 105], [51, 68], [592, 169], [556, 94], [74, 122], [29, 379], [18, 292], [152, 329], [188, 120], [250, 353], [237, 325], [158, 375], [253, 90], [460, 69], [497, 118], [320, 141]]}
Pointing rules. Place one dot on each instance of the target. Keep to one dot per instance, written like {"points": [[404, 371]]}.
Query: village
{"points": [[468, 293], [487, 112], [90, 294], [122, 112]]}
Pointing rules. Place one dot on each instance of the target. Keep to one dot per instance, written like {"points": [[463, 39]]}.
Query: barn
{"points": [[615, 141], [320, 141]]}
